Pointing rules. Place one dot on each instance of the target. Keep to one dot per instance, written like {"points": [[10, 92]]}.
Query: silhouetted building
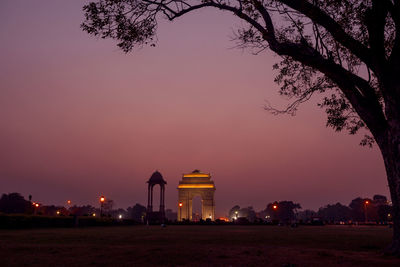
{"points": [[171, 215]]}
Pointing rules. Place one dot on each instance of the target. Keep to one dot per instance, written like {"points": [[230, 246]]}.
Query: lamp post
{"points": [[180, 210], [35, 206], [366, 203], [236, 214], [69, 206], [275, 215], [102, 200]]}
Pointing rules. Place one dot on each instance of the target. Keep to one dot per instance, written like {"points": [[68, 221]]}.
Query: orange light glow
{"points": [[196, 175], [274, 207], [196, 186], [58, 212], [68, 201], [102, 199], [180, 204], [367, 202], [37, 205]]}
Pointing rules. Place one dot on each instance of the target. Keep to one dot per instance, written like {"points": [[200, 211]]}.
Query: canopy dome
{"points": [[156, 178]]}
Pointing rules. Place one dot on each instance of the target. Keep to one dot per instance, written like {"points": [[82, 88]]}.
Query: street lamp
{"points": [[274, 214], [366, 203], [236, 214], [180, 210], [102, 200], [35, 206]]}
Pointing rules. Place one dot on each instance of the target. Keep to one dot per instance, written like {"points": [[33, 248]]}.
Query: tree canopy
{"points": [[325, 45]]}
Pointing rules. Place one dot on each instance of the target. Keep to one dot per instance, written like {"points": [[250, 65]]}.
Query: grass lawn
{"points": [[198, 246]]}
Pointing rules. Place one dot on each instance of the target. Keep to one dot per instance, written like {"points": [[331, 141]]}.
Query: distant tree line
{"points": [[376, 209], [15, 203], [278, 211]]}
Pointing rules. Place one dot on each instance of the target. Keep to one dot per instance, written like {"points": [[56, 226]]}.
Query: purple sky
{"points": [[79, 118]]}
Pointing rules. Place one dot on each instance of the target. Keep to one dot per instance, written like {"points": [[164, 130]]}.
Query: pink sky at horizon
{"points": [[79, 118]]}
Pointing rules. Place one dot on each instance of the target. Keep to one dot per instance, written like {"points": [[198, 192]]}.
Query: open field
{"points": [[197, 246]]}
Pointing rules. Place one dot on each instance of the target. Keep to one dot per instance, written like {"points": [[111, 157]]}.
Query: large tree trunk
{"points": [[390, 149]]}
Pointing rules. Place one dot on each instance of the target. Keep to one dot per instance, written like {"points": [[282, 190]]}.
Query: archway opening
{"points": [[156, 197], [196, 208]]}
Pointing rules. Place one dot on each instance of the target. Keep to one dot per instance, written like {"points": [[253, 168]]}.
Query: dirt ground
{"points": [[198, 246]]}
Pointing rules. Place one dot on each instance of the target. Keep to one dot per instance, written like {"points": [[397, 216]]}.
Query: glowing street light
{"points": [[120, 216], [94, 214], [35, 206], [275, 207], [102, 200], [69, 202], [180, 210], [366, 203], [58, 212]]}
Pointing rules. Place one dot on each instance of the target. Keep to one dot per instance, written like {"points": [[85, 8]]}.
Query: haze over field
{"points": [[79, 118]]}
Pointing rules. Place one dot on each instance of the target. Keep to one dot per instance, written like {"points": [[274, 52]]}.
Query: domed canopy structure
{"points": [[156, 178], [156, 216]]}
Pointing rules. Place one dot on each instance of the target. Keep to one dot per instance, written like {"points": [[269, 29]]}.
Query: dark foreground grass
{"points": [[197, 246]]}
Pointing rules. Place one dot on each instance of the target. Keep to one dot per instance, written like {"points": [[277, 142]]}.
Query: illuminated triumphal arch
{"points": [[196, 184]]}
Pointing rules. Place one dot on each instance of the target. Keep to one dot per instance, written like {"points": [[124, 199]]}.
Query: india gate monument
{"points": [[196, 184]]}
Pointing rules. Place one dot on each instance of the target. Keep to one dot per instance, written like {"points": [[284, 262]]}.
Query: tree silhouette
{"points": [[234, 212], [247, 213], [335, 213], [357, 207], [350, 50], [283, 211], [14, 203]]}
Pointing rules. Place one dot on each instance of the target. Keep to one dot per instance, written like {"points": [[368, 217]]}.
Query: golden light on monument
{"points": [[195, 184]]}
